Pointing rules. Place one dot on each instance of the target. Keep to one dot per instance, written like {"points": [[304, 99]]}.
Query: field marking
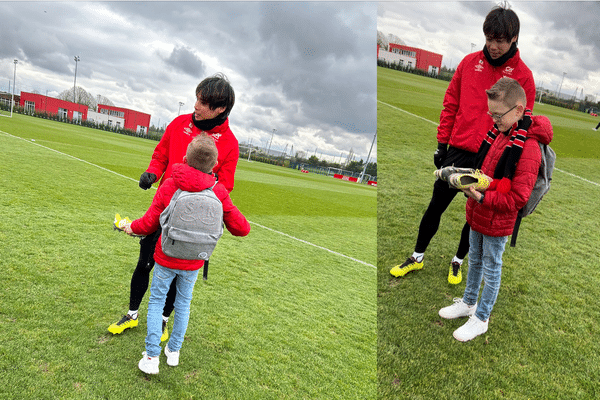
{"points": [[435, 123], [135, 180], [409, 113]]}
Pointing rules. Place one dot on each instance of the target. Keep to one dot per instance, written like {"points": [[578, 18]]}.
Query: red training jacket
{"points": [[464, 121], [173, 146], [190, 179], [498, 213]]}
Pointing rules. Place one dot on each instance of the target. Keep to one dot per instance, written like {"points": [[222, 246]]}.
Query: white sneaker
{"points": [[149, 364], [172, 357], [458, 309], [473, 328]]}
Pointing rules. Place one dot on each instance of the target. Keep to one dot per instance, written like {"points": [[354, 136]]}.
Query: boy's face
{"points": [[504, 116], [498, 47]]}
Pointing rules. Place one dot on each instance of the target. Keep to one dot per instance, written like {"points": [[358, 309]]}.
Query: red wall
{"points": [[132, 118], [51, 105]]}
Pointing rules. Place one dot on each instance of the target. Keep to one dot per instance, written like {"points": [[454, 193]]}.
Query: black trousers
{"points": [[441, 198], [141, 276]]}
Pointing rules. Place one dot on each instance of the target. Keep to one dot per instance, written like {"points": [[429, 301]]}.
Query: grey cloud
{"points": [[186, 61]]}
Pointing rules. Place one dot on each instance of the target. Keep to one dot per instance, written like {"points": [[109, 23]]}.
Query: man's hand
{"points": [[440, 155], [146, 180]]}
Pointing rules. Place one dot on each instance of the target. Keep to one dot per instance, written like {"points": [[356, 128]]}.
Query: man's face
{"points": [[203, 112], [498, 47], [504, 116]]}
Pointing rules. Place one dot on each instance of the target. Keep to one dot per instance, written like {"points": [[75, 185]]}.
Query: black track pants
{"points": [[141, 276]]}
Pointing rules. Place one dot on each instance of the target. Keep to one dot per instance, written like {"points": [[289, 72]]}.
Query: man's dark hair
{"points": [[217, 92], [501, 23]]}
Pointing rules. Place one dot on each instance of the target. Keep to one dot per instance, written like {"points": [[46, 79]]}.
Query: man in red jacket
{"points": [[194, 175], [464, 122], [511, 155], [215, 99]]}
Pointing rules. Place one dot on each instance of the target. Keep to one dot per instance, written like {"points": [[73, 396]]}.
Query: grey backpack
{"points": [[192, 224], [541, 187]]}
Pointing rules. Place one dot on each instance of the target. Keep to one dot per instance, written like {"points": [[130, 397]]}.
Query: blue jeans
{"points": [[161, 281], [485, 261]]}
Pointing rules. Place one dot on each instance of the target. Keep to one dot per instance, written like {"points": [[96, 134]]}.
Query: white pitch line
{"points": [[427, 120], [135, 180], [319, 247]]}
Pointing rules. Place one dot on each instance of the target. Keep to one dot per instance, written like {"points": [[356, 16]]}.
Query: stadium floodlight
{"points": [[12, 102], [362, 174], [249, 149], [271, 141], [560, 87], [77, 59], [180, 104]]}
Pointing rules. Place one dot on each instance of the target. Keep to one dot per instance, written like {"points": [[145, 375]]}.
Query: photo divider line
{"points": [[430, 121], [135, 180]]}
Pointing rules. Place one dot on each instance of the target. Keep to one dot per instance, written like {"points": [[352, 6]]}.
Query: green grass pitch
{"points": [[288, 312]]}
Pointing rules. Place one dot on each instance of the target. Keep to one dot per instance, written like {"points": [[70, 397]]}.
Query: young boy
{"points": [[510, 154], [193, 175]]}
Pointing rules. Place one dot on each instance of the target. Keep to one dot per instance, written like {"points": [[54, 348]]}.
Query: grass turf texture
{"points": [[277, 318], [542, 341]]}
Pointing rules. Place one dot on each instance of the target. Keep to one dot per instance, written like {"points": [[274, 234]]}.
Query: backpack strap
{"points": [[513, 239]]}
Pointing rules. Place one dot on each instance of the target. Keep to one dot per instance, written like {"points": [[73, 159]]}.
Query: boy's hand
{"points": [[128, 230], [472, 193]]}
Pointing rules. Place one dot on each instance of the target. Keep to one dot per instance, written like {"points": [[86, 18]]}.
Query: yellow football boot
{"points": [[125, 323], [455, 274], [409, 265]]}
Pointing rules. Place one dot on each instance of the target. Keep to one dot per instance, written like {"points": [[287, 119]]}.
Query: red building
{"points": [[425, 60], [133, 120], [40, 103]]}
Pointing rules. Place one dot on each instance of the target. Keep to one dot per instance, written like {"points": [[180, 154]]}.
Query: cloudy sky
{"points": [[305, 69], [556, 36]]}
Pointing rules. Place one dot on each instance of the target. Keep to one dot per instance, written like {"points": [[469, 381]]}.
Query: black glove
{"points": [[146, 180], [440, 155]]}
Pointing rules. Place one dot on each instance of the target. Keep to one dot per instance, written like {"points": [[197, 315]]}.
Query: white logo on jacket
{"points": [[508, 70]]}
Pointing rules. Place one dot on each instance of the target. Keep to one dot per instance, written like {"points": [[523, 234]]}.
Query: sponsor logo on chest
{"points": [[479, 67]]}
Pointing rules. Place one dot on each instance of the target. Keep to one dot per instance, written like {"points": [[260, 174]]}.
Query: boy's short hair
{"points": [[507, 90], [501, 23], [202, 153], [216, 92]]}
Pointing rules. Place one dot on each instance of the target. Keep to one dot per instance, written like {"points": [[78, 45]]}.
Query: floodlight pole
{"points": [[362, 174], [12, 102], [77, 59], [249, 149], [560, 87], [271, 141]]}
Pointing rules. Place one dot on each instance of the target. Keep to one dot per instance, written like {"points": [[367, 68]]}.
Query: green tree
{"points": [[313, 160]]}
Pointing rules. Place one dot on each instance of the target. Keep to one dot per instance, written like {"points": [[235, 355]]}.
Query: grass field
{"points": [[542, 341], [278, 318]]}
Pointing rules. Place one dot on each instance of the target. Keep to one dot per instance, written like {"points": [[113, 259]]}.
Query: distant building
{"points": [[411, 57], [65, 109], [109, 115], [133, 120]]}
